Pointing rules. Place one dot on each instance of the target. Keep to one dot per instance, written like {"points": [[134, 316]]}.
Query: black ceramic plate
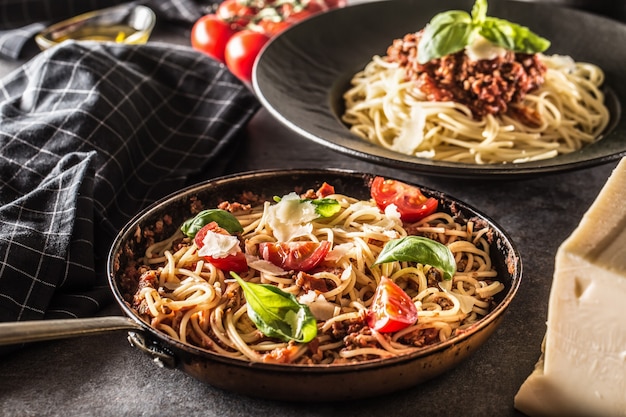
{"points": [[305, 382], [301, 75]]}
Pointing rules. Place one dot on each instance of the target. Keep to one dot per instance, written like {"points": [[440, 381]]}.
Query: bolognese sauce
{"points": [[486, 86]]}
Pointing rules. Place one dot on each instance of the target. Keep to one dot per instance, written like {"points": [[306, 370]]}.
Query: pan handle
{"points": [[161, 356], [12, 333]]}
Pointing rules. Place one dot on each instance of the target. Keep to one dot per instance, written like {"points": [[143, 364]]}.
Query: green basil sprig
{"points": [[451, 31], [223, 218], [277, 313], [419, 249]]}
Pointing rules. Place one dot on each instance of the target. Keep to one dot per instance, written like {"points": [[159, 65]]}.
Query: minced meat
{"points": [[493, 86]]}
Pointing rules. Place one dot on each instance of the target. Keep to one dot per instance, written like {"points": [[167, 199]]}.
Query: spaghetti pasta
{"points": [[189, 299], [386, 108]]}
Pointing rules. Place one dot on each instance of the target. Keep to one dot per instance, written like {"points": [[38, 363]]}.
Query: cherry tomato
{"points": [[334, 4], [209, 227], [411, 203], [241, 51], [235, 262], [210, 35], [295, 13], [299, 256], [273, 27], [392, 309], [237, 12]]}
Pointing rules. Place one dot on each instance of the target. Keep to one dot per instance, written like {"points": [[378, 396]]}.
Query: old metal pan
{"points": [[281, 381]]}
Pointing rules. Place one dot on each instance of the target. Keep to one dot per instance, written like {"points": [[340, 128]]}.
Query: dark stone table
{"points": [[104, 376]]}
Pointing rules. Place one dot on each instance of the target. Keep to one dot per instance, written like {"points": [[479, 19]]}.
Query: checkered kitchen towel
{"points": [[91, 133]]}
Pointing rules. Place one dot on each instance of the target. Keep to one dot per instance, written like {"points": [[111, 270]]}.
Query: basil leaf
{"points": [[512, 36], [419, 249], [479, 11], [326, 207], [277, 313], [447, 33], [223, 218], [451, 31], [449, 17]]}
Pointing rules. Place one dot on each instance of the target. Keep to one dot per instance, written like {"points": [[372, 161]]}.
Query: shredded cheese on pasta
{"points": [[196, 303], [388, 110]]}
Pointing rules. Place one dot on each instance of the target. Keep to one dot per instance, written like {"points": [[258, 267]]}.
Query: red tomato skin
{"points": [[235, 12], [334, 4], [210, 35], [411, 203], [236, 262], [294, 15], [273, 28], [298, 256], [392, 309], [209, 227], [241, 51]]}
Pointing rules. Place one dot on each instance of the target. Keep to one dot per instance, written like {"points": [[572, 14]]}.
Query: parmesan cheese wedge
{"points": [[582, 369]]}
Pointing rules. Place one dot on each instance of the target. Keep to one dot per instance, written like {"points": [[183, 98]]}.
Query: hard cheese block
{"points": [[582, 371]]}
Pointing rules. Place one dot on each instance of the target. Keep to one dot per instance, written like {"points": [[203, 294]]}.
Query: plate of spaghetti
{"points": [[313, 283], [454, 87]]}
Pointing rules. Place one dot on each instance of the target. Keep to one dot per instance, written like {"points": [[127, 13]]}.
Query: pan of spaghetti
{"points": [[453, 87], [300, 284]]}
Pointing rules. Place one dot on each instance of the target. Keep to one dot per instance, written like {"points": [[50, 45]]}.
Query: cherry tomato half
{"points": [[210, 34], [411, 203], [298, 256], [241, 51], [235, 262], [392, 309]]}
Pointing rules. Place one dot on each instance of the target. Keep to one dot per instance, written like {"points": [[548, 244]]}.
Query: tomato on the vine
{"points": [[411, 203], [334, 4], [298, 256], [294, 13], [239, 29], [273, 27], [392, 309], [210, 34], [236, 12], [241, 51]]}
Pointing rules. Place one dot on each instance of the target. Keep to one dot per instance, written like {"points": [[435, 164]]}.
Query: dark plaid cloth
{"points": [[91, 133], [21, 20]]}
